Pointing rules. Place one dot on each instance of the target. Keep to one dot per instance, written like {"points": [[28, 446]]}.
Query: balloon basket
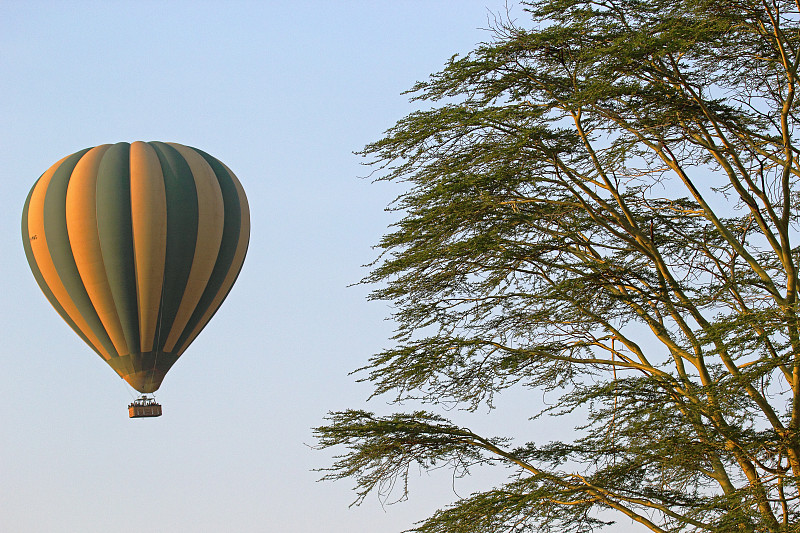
{"points": [[144, 407]]}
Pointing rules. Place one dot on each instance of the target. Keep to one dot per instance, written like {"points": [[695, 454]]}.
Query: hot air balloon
{"points": [[136, 246]]}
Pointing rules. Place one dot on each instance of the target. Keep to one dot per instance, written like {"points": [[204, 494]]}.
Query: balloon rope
{"points": [[128, 389]]}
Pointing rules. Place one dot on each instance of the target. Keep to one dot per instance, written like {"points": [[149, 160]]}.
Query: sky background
{"points": [[283, 93]]}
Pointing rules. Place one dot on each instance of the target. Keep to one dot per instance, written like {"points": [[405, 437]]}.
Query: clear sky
{"points": [[283, 93]]}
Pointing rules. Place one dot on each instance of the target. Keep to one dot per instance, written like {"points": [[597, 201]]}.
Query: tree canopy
{"points": [[600, 202]]}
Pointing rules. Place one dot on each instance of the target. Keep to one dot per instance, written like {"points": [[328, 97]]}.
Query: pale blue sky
{"points": [[283, 93]]}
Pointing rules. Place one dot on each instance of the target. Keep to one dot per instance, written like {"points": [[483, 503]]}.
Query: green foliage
{"points": [[602, 205]]}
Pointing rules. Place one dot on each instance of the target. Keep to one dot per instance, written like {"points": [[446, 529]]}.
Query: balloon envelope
{"points": [[136, 246]]}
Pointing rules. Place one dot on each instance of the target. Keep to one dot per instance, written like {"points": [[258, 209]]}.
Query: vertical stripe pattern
{"points": [[136, 246]]}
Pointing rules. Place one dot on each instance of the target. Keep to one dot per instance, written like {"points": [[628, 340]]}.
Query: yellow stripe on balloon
{"points": [[149, 217], [233, 271], [44, 261], [85, 244], [210, 222]]}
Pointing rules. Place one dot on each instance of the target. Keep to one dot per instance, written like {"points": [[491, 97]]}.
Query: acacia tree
{"points": [[602, 204]]}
